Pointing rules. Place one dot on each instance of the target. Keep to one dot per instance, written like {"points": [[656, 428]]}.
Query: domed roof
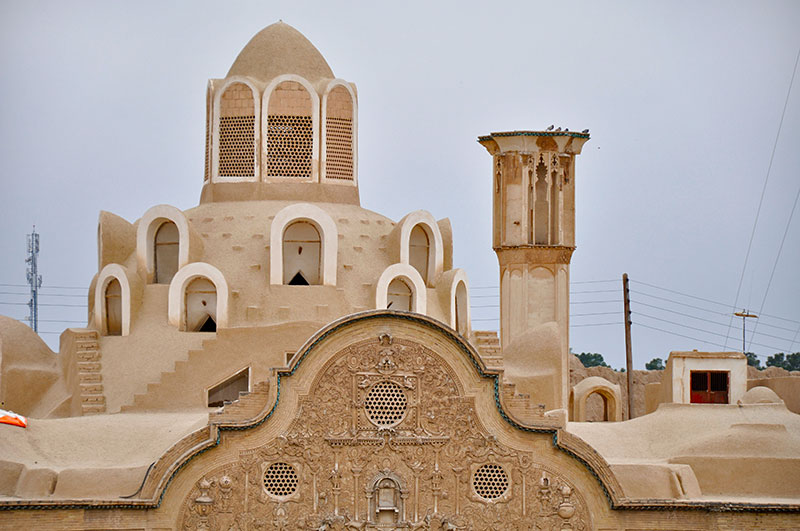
{"points": [[280, 49]]}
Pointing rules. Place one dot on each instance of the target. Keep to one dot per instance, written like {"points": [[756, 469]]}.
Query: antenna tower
{"points": [[34, 279]]}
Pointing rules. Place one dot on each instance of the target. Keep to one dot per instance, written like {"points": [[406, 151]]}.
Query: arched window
{"points": [[237, 134], [166, 248], [113, 301], [290, 134], [540, 210], [301, 254], [596, 408], [462, 321], [399, 296], [419, 251], [200, 310], [554, 209], [339, 134]]}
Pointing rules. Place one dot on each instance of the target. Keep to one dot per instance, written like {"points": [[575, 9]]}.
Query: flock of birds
{"points": [[566, 130]]}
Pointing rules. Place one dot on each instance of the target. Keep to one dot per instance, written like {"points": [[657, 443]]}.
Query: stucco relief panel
{"points": [[386, 439]]}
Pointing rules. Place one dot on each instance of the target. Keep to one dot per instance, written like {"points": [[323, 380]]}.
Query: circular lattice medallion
{"points": [[386, 404], [280, 479], [490, 481]]}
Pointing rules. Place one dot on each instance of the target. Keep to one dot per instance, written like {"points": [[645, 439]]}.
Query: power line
{"points": [[705, 320], [43, 287], [45, 294], [697, 329], [681, 293], [701, 308], [726, 305], [763, 190], [594, 324], [777, 258], [681, 335]]}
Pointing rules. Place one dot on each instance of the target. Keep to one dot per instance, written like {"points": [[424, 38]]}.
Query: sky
{"points": [[102, 107]]}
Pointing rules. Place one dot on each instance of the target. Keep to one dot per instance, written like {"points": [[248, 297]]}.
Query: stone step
{"points": [[93, 399], [88, 355], [90, 377], [94, 388], [93, 409], [89, 366]]}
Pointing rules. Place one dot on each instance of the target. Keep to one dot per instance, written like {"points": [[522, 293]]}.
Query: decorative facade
{"points": [[279, 357]]}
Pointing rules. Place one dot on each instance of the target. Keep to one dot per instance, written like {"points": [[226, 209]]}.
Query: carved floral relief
{"points": [[385, 439]]}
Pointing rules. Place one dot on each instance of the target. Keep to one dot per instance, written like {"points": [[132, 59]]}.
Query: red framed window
{"points": [[709, 387]]}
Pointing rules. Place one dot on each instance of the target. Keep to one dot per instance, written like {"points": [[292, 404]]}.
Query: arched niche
{"points": [[189, 244], [400, 242], [609, 392], [386, 500], [291, 129], [180, 292], [116, 290], [329, 240], [302, 254], [339, 133], [411, 278], [236, 131]]}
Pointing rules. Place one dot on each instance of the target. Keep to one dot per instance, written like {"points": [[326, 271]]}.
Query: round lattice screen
{"points": [[490, 482], [386, 404], [280, 479]]}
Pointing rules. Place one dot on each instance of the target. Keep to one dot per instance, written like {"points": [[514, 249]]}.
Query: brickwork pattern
{"points": [[339, 135], [237, 142]]}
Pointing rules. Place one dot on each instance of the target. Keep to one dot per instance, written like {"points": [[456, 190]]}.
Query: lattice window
{"points": [[237, 123], [289, 146], [386, 404], [490, 481], [339, 134], [339, 148], [280, 479], [237, 146], [207, 172]]}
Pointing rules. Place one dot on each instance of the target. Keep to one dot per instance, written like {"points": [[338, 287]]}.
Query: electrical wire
{"points": [[761, 200], [777, 258], [695, 328], [726, 305]]}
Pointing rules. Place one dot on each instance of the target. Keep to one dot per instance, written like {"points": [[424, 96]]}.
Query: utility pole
{"points": [[626, 298], [34, 279], [744, 315]]}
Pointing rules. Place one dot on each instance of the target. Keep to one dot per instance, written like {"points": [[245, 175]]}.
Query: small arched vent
{"points": [[490, 481], [280, 480], [386, 404]]}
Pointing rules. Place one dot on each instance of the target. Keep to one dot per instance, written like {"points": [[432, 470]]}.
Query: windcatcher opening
{"points": [[399, 296], [114, 308], [166, 249], [301, 254]]}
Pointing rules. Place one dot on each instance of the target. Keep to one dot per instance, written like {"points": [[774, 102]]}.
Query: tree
{"points": [[753, 360], [592, 359], [655, 364], [790, 362]]}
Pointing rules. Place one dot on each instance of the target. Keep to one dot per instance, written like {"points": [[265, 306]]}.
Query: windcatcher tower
{"points": [[534, 237]]}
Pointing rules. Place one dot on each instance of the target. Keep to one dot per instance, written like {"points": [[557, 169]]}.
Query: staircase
{"points": [[489, 347], [87, 354], [519, 404], [248, 406], [170, 391]]}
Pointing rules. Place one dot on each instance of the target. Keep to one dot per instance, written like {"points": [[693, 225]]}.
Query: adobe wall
{"points": [[785, 383]]}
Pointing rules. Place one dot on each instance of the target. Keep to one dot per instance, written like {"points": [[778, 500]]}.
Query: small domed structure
{"points": [[280, 49], [761, 395]]}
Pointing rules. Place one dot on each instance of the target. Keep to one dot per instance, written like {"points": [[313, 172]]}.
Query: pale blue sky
{"points": [[102, 106]]}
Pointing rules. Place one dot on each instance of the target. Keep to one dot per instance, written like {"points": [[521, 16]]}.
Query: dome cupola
{"points": [[280, 125]]}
